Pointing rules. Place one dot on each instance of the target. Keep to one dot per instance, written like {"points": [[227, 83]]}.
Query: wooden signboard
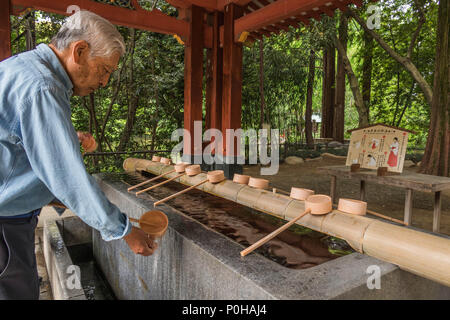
{"points": [[378, 146]]}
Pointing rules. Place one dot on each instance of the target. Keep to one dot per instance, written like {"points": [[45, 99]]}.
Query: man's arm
{"points": [[52, 147]]}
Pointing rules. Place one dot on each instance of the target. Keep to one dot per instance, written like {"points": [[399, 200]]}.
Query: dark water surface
{"points": [[297, 247]]}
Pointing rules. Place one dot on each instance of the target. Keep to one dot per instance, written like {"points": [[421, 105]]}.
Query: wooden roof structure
{"points": [[220, 26], [260, 17]]}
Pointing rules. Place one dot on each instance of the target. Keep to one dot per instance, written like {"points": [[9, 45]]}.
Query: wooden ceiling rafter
{"points": [[262, 18], [139, 18], [275, 12]]}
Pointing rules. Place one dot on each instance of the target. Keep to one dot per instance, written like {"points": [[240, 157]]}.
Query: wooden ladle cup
{"points": [[154, 223], [215, 176], [300, 193], [315, 204], [258, 183], [165, 161], [241, 178], [179, 168]]}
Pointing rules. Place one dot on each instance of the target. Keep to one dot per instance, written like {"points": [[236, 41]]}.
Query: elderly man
{"points": [[40, 158]]}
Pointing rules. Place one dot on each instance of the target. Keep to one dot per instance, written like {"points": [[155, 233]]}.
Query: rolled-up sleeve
{"points": [[53, 149]]}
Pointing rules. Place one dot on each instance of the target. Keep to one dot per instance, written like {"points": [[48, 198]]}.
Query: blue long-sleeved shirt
{"points": [[39, 149]]}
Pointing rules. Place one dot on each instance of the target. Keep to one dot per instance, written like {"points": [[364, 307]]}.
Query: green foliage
{"points": [[157, 78]]}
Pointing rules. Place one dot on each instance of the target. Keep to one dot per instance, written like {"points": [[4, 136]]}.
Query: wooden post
{"points": [[408, 206], [232, 91], [215, 76], [193, 80], [333, 188], [5, 30], [232, 76], [437, 212], [362, 190]]}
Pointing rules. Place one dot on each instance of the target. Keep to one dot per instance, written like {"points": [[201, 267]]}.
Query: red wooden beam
{"points": [[193, 79], [328, 10], [155, 20], [206, 4], [275, 12], [253, 5], [210, 5], [5, 30], [256, 35], [232, 77], [217, 73], [221, 4]]}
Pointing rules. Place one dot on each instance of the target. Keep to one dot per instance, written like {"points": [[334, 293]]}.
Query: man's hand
{"points": [[140, 243], [87, 141]]}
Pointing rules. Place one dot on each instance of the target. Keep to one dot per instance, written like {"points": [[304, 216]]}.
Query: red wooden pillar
{"points": [[232, 77], [193, 82], [214, 76], [5, 30]]}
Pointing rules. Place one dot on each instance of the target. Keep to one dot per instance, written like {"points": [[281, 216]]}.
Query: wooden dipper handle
{"points": [[150, 180], [179, 193], [273, 234], [159, 184]]}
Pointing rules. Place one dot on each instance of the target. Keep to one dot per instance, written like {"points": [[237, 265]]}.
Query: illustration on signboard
{"points": [[378, 146]]}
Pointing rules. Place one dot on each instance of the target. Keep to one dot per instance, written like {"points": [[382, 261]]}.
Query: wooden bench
{"points": [[408, 181]]}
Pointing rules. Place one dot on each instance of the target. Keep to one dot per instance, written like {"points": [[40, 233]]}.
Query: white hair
{"points": [[102, 36]]}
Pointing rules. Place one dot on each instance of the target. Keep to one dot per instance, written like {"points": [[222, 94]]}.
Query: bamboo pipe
{"points": [[272, 235], [382, 216], [275, 190], [315, 204], [160, 184], [150, 180], [423, 254]]}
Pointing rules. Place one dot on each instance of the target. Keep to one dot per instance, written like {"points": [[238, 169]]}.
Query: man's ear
{"points": [[80, 51]]}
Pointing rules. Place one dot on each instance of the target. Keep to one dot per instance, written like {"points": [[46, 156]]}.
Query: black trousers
{"points": [[19, 278]]}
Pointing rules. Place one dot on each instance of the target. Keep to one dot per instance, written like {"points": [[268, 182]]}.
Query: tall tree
{"points": [[405, 61], [363, 113], [339, 112], [133, 97], [261, 81], [367, 69], [309, 96], [436, 158], [328, 92]]}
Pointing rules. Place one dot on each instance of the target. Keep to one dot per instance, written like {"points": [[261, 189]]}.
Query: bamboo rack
{"points": [[423, 254]]}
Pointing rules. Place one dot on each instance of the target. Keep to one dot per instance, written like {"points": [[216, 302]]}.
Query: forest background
{"points": [[288, 80]]}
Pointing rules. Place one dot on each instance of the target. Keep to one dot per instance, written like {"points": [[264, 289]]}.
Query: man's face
{"points": [[90, 73]]}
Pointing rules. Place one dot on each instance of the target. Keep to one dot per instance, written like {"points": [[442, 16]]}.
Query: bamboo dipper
{"points": [[215, 176], [179, 168], [150, 180], [154, 223], [315, 204]]}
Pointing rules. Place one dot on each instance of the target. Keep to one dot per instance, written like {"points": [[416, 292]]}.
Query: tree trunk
{"points": [[261, 81], [363, 113], [328, 92], [30, 32], [133, 99], [367, 70], [404, 61], [339, 113], [309, 95], [436, 157]]}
